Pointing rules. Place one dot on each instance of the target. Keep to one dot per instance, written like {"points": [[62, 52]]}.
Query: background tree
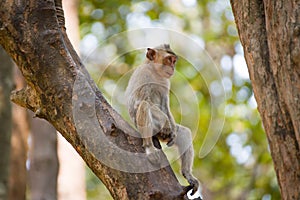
{"points": [[269, 32], [43, 168], [6, 85], [19, 145]]}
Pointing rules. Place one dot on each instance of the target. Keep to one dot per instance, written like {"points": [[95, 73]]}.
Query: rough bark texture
{"points": [[33, 33], [6, 84], [67, 155], [19, 147], [270, 34]]}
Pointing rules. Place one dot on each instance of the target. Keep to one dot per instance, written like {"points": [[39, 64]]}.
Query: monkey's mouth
{"points": [[170, 73]]}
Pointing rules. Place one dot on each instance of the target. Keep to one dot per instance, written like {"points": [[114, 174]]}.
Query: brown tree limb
{"points": [[26, 97], [32, 32], [269, 32]]}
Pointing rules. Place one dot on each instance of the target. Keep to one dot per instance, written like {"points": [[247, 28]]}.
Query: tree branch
{"points": [[27, 98], [59, 13], [61, 91]]}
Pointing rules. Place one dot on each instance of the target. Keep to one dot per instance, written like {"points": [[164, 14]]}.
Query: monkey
{"points": [[147, 95]]}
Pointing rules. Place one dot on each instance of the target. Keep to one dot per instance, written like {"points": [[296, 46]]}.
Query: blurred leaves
{"points": [[239, 166]]}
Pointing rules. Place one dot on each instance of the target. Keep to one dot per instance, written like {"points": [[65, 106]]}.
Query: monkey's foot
{"points": [[191, 193], [187, 191], [170, 142], [171, 139], [194, 185], [153, 155]]}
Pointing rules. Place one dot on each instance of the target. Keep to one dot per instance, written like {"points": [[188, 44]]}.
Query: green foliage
{"points": [[239, 166]]}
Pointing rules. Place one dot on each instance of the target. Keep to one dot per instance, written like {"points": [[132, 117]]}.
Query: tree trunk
{"points": [[6, 84], [19, 147], [67, 155], [43, 160], [270, 34], [33, 33]]}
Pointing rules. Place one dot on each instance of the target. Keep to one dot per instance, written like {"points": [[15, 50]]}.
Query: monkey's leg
{"points": [[183, 141], [162, 126], [144, 124]]}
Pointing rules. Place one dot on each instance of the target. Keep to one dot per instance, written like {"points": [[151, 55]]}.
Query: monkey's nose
{"points": [[174, 60]]}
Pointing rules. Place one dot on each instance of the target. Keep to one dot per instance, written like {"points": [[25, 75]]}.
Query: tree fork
{"points": [[33, 33]]}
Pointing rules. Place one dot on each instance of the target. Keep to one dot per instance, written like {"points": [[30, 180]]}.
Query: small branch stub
{"points": [[26, 98]]}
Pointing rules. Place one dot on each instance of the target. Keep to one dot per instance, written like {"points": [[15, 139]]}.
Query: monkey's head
{"points": [[163, 58]]}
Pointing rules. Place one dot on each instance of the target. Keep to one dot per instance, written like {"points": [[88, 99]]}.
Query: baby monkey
{"points": [[148, 105]]}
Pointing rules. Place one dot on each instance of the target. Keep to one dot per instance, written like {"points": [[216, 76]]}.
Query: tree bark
{"points": [[270, 34], [33, 33], [19, 146], [67, 155], [6, 84]]}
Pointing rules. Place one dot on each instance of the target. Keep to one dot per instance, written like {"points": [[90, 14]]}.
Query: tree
{"points": [[33, 33], [19, 145], [66, 154], [43, 160], [6, 84], [269, 32]]}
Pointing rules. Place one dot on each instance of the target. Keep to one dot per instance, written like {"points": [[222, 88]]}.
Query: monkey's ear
{"points": [[151, 54]]}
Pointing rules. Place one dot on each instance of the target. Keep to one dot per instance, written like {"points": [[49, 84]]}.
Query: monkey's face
{"points": [[168, 65], [164, 61]]}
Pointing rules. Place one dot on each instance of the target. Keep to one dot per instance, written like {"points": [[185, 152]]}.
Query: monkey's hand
{"points": [[153, 155]]}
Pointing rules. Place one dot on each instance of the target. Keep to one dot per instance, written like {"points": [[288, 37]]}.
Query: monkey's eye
{"points": [[172, 59]]}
